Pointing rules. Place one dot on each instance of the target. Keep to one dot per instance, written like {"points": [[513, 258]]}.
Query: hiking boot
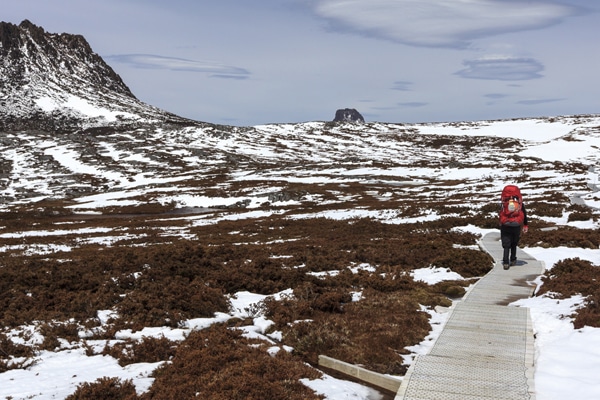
{"points": [[505, 265], [513, 263]]}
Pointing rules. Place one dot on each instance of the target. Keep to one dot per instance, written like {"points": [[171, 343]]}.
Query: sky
{"points": [[245, 63]]}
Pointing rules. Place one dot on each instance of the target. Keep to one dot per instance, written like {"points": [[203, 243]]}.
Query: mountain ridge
{"points": [[56, 82]]}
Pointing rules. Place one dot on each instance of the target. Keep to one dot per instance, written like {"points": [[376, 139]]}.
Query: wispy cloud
{"points": [[538, 101], [439, 23], [495, 96], [230, 76], [502, 69], [402, 86], [412, 104], [150, 61]]}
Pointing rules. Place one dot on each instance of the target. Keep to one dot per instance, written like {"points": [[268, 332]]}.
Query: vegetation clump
{"points": [[574, 276]]}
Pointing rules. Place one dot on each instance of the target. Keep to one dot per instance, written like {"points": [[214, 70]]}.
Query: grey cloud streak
{"points": [[502, 69], [150, 61]]}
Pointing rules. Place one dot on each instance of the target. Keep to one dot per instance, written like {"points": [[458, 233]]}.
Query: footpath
{"points": [[485, 350]]}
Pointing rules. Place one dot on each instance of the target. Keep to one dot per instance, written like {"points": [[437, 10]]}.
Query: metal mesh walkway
{"points": [[485, 350]]}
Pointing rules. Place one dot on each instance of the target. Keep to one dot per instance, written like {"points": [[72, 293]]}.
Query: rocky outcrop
{"points": [[56, 82], [28, 52], [348, 115]]}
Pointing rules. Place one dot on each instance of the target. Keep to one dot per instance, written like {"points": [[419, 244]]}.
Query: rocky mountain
{"points": [[348, 115], [56, 82]]}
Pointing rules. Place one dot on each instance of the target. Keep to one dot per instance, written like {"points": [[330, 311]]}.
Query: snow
{"points": [[535, 130], [433, 275], [333, 388], [567, 360], [57, 374], [84, 107]]}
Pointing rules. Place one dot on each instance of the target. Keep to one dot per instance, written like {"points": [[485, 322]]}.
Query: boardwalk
{"points": [[485, 350]]}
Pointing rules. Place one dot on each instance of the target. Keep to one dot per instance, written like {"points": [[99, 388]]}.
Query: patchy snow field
{"points": [[203, 176]]}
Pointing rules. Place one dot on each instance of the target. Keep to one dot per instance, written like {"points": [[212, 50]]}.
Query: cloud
{"points": [[502, 69], [533, 102], [412, 104], [439, 23], [226, 76], [495, 95], [384, 108], [402, 86], [150, 61]]}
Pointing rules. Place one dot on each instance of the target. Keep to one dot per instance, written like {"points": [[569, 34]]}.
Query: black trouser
{"points": [[510, 235]]}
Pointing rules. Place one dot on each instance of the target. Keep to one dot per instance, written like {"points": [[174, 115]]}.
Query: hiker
{"points": [[513, 218]]}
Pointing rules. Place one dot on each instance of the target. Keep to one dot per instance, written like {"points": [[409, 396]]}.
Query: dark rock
{"points": [[348, 115]]}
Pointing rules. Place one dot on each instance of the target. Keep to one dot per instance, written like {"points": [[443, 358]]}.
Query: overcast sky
{"points": [[242, 62]]}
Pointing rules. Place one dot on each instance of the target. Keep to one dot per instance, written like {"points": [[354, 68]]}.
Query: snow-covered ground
{"points": [[567, 360]]}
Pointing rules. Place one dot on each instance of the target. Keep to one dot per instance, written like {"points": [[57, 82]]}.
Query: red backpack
{"points": [[511, 212]]}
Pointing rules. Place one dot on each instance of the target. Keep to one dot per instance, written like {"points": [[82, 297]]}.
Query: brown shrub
{"points": [[580, 213], [452, 289], [562, 236], [155, 286], [389, 282], [466, 262], [547, 209], [575, 276], [9, 351], [219, 363], [148, 350], [105, 389], [168, 301], [371, 332], [54, 331]]}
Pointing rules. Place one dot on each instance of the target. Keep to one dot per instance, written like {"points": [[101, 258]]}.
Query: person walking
{"points": [[513, 220]]}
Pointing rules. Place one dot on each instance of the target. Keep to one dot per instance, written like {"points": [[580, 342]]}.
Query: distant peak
{"points": [[27, 24]]}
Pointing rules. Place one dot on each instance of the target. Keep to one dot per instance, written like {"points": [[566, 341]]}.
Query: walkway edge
{"points": [[380, 380]]}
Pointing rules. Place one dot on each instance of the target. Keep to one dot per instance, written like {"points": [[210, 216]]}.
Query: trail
{"points": [[486, 349]]}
